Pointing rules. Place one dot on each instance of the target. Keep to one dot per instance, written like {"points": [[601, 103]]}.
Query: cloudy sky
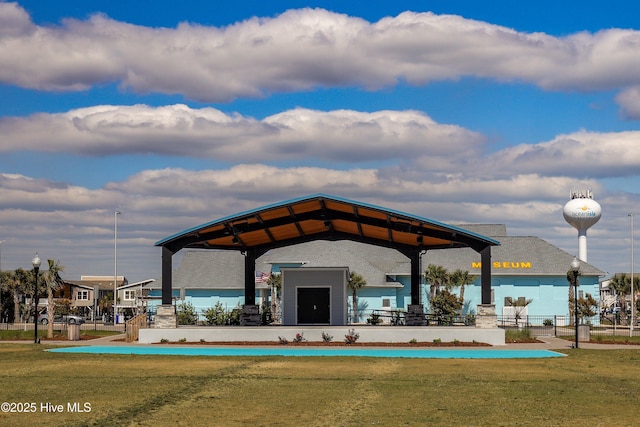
{"points": [[179, 113]]}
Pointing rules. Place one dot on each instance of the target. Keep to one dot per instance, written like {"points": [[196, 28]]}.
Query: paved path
{"points": [[548, 343]]}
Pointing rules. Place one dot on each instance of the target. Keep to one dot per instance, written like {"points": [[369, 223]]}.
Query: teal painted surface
{"points": [[315, 352]]}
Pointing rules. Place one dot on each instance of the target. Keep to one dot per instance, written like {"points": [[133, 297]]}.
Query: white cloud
{"points": [[177, 130], [629, 101], [76, 224], [579, 154], [302, 50]]}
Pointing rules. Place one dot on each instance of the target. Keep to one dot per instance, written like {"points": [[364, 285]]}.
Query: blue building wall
{"points": [[549, 295]]}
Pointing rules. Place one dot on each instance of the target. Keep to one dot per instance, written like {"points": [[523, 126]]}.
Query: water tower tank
{"points": [[582, 212]]}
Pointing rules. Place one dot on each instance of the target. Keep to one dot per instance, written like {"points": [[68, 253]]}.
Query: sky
{"points": [[179, 113]]}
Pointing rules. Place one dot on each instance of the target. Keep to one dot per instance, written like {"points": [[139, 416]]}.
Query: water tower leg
{"points": [[582, 245]]}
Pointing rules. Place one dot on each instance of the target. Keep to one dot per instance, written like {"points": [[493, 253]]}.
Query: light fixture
{"points": [[575, 272], [36, 268]]}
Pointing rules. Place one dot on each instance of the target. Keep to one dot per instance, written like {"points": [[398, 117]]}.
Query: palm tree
{"points": [[621, 284], [518, 305], [460, 278], [18, 284], [54, 282], [437, 277], [356, 281]]}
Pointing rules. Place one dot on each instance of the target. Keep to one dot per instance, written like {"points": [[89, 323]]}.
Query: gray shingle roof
{"points": [[524, 255], [372, 262]]}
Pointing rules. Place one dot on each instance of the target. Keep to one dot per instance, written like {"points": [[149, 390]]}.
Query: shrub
{"points": [[351, 337], [413, 341], [233, 318], [437, 341], [517, 335], [326, 337], [299, 337], [283, 340], [187, 314], [182, 340], [215, 315], [547, 322], [163, 340], [374, 319]]}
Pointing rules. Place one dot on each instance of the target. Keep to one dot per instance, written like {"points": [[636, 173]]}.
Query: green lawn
{"points": [[587, 388], [28, 335]]}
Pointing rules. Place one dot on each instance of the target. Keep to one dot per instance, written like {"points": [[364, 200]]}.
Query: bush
{"points": [[351, 337], [547, 322], [516, 335], [326, 337], [300, 337], [187, 314], [374, 319], [215, 315]]}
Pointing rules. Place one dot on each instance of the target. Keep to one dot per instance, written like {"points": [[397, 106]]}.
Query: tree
{"points": [[186, 314], [53, 282], [356, 281], [437, 277], [587, 307], [275, 283], [5, 297], [445, 305], [460, 278], [621, 284], [19, 285], [518, 304]]}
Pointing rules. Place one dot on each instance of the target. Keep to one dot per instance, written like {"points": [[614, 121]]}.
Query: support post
{"points": [[415, 278], [250, 311], [166, 313], [167, 276], [485, 275]]}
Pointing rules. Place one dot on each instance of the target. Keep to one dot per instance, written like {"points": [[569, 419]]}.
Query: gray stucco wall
{"points": [[336, 278]]}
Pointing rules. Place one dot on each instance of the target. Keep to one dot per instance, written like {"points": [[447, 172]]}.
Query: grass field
{"points": [[588, 388]]}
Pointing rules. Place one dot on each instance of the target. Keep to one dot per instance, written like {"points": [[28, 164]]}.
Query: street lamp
{"points": [[574, 273], [36, 268], [633, 299], [115, 264]]}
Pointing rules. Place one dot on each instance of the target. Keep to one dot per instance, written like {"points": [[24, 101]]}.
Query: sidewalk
{"points": [[548, 343]]}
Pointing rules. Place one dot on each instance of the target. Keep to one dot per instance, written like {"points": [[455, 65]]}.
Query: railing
{"points": [[564, 325], [133, 325]]}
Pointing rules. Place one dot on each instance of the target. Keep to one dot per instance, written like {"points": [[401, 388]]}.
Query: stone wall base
{"points": [[250, 315], [415, 315], [166, 317], [486, 317]]}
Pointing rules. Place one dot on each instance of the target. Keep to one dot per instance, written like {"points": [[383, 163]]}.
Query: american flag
{"points": [[262, 277]]}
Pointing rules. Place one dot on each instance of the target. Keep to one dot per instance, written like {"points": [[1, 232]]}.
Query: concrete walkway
{"points": [[548, 343]]}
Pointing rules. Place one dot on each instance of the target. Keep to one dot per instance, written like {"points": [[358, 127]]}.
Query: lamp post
{"points": [[36, 268], [633, 299], [115, 264], [575, 272]]}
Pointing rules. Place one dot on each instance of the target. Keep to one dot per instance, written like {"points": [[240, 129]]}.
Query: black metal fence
{"points": [[563, 325], [62, 326]]}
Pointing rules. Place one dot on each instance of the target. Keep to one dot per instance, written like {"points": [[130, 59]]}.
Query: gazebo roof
{"points": [[323, 217]]}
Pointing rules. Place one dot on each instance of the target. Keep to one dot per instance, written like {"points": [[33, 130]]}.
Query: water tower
{"points": [[582, 212]]}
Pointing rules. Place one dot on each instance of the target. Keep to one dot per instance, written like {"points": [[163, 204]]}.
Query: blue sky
{"points": [[178, 113]]}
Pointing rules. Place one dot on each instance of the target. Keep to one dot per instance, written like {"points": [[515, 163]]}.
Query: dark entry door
{"points": [[313, 305]]}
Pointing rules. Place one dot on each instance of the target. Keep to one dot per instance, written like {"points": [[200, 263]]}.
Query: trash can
{"points": [[584, 333], [74, 332]]}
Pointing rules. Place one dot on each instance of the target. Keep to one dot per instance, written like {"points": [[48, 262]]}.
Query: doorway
{"points": [[314, 306]]}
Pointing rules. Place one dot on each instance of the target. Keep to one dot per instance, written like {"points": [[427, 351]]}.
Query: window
{"points": [[129, 295], [386, 302], [83, 295]]}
